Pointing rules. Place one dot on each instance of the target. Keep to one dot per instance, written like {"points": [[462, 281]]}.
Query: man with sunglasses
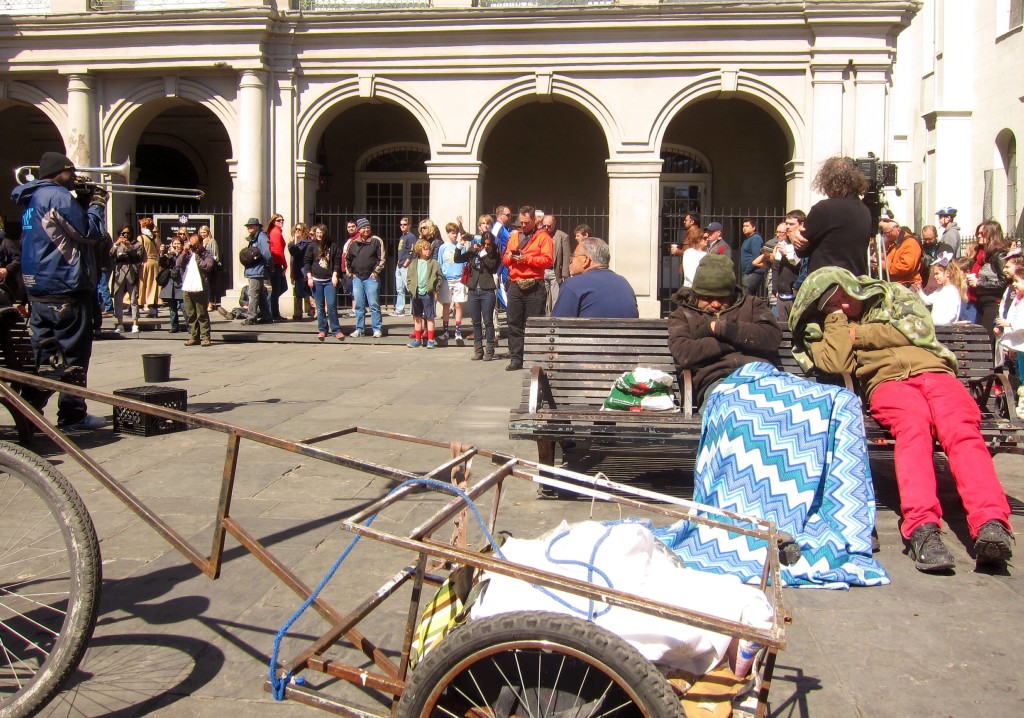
{"points": [[593, 290], [718, 327]]}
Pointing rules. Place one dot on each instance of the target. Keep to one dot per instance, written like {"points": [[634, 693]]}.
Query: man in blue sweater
{"points": [[593, 290]]}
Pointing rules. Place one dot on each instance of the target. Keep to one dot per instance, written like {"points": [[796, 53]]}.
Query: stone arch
{"points": [[128, 116], [525, 90], [42, 101], [749, 88], [328, 106]]}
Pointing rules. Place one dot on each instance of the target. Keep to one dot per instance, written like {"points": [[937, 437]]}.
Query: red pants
{"points": [[919, 410]]}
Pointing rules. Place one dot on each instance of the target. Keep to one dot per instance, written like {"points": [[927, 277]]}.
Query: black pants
{"points": [[481, 310], [68, 324], [521, 306]]}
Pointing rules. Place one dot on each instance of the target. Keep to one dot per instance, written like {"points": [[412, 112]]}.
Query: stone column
{"points": [[249, 168], [828, 89], [283, 197], [871, 86], [455, 189], [82, 136], [307, 177], [633, 208]]}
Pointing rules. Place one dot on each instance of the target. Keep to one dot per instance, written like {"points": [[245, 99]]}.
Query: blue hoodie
{"points": [[57, 256]]}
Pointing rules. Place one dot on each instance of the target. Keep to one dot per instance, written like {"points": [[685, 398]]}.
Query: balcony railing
{"points": [[24, 7], [543, 3], [142, 5], [344, 5]]}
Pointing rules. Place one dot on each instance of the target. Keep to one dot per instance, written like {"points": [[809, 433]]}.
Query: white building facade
{"points": [[447, 108]]}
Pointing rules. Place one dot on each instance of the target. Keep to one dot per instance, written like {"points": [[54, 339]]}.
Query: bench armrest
{"points": [[686, 389], [540, 390], [983, 392]]}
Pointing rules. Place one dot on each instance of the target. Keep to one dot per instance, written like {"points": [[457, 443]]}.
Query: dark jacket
{"points": [[127, 258], [323, 271], [745, 332], [366, 258], [172, 288], [57, 255], [481, 269], [204, 260], [10, 259], [838, 231], [298, 264]]}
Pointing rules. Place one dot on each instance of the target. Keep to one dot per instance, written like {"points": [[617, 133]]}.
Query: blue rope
{"points": [[279, 683]]}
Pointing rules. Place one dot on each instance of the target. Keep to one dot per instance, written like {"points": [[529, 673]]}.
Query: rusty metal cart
{"points": [[514, 664]]}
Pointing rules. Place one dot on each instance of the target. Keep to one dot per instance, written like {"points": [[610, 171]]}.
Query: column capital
{"points": [[81, 82], [256, 79], [306, 169], [455, 169], [645, 168]]}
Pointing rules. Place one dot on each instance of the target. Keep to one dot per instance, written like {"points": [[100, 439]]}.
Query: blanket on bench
{"points": [[791, 451]]}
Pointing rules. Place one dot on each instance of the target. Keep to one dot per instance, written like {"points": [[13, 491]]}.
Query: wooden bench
{"points": [[570, 365]]}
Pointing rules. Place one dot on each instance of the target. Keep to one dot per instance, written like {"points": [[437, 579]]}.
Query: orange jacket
{"points": [[538, 256], [904, 260]]}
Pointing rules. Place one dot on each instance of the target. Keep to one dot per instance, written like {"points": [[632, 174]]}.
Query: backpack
{"points": [[250, 256]]}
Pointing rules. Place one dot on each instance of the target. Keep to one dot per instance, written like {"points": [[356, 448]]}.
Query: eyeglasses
{"points": [[126, 234]]}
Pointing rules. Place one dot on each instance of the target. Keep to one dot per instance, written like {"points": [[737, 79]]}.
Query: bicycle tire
{"points": [[551, 658], [50, 577]]}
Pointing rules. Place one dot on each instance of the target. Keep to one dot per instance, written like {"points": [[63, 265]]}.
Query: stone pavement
{"points": [[171, 642]]}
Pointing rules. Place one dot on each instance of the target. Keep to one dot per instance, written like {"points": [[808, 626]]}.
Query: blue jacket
{"points": [[262, 270], [58, 240]]}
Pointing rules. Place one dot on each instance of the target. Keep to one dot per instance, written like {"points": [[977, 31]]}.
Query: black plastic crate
{"points": [[127, 421]]}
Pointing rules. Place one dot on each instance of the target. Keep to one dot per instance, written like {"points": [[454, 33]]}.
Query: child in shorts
{"points": [[422, 281]]}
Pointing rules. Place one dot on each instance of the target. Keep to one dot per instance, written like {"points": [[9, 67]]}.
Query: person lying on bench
{"points": [[718, 327], [883, 334]]}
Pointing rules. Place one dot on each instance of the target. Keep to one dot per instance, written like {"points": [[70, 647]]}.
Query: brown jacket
{"points": [[874, 353], [745, 332]]}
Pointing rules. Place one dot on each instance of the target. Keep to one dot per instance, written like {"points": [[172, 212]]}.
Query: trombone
{"points": [[26, 173]]}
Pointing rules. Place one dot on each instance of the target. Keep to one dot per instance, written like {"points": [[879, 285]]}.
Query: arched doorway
{"points": [[725, 158], [25, 134], [372, 163], [552, 156]]}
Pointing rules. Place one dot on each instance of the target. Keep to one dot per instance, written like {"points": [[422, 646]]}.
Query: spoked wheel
{"points": [[49, 580], [535, 664]]}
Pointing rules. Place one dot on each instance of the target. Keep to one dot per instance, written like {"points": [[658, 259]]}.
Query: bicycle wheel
{"points": [[49, 580], [534, 663]]}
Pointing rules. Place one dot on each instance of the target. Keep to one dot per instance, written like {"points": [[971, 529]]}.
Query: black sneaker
{"points": [[927, 550], [993, 545]]}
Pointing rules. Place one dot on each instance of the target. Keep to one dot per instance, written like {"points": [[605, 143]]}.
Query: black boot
{"points": [[489, 351], [927, 550], [478, 351]]}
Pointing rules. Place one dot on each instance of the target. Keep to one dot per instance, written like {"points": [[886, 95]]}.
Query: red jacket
{"points": [[277, 246], [538, 256]]}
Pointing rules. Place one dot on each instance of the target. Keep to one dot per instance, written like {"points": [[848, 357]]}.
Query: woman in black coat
{"points": [[481, 254]]}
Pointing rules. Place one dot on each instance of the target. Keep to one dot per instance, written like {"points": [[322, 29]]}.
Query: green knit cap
{"points": [[715, 277]]}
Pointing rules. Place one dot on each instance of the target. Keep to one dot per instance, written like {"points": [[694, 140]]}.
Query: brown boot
{"points": [[489, 351], [478, 351]]}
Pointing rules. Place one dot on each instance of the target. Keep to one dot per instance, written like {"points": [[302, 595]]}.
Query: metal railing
{"points": [[348, 5], [25, 7], [146, 5]]}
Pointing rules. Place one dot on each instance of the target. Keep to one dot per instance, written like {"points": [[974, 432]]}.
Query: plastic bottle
{"points": [[745, 653]]}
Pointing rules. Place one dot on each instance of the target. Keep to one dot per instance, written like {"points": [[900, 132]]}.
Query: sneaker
{"points": [[414, 344], [993, 544], [448, 333], [351, 315], [431, 344], [339, 336], [135, 329], [378, 334], [192, 343], [86, 423], [321, 335], [928, 551], [119, 328], [396, 314], [356, 334], [206, 343], [459, 341]]}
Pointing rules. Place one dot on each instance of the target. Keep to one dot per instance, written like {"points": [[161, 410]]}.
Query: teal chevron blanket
{"points": [[788, 450]]}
